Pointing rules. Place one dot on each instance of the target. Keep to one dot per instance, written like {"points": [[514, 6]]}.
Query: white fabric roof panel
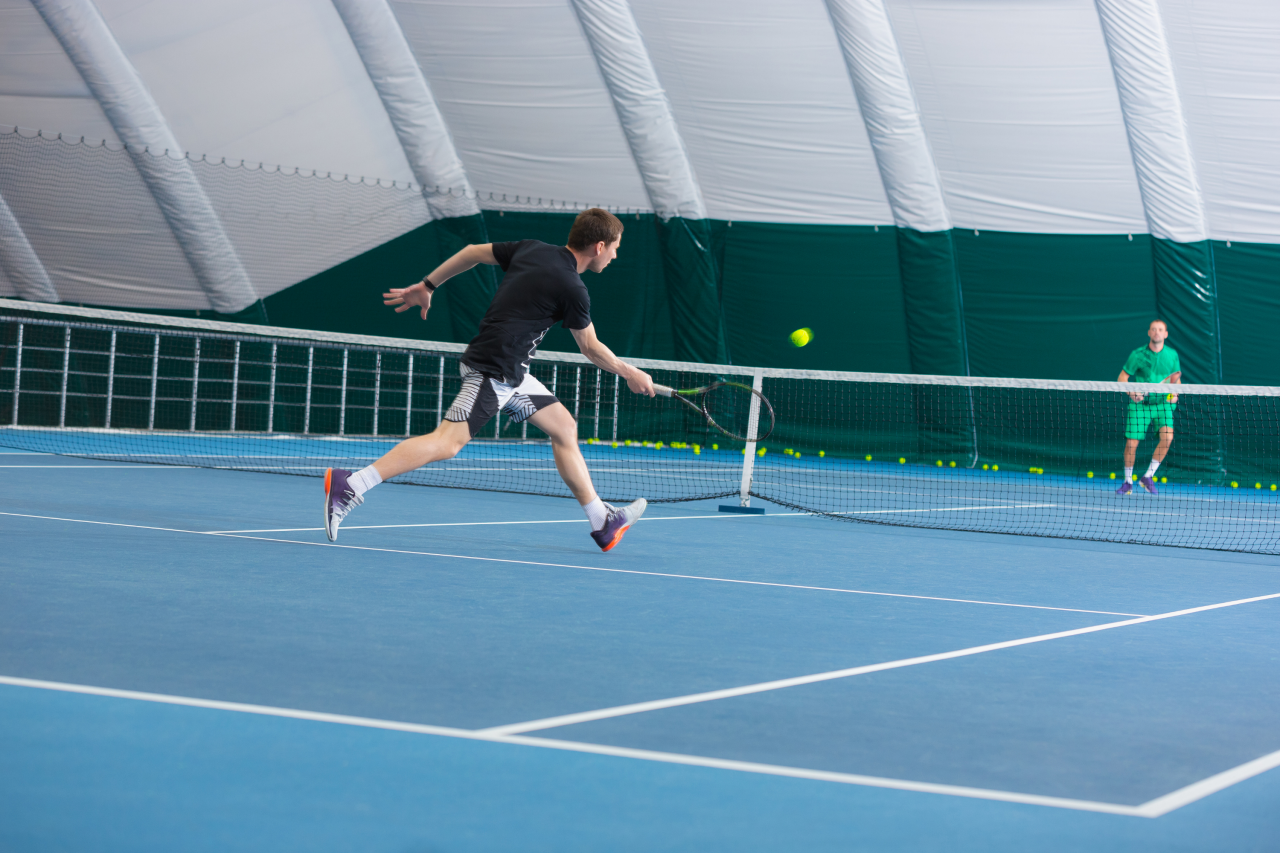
{"points": [[39, 86], [1226, 59], [766, 110], [1020, 107], [271, 81], [522, 95]]}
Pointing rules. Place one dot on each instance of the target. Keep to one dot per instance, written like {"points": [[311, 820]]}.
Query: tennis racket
{"points": [[726, 406]]}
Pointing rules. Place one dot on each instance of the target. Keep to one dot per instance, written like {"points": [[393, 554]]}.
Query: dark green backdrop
{"points": [[878, 299]]}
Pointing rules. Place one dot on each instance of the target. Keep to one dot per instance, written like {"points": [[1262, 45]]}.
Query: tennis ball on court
{"points": [[868, 458], [953, 463], [801, 337], [1234, 484], [1273, 487], [797, 455], [1257, 485], [1089, 475], [824, 453], [995, 467], [715, 447], [1113, 475], [761, 452], [986, 467], [1166, 479], [902, 460], [788, 451], [939, 463]]}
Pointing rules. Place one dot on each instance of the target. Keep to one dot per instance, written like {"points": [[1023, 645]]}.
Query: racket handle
{"points": [[663, 390]]}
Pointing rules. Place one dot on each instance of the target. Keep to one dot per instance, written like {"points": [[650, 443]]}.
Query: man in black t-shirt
{"points": [[542, 286]]}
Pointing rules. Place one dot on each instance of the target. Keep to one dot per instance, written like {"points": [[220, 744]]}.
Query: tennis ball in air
{"points": [[801, 337]]}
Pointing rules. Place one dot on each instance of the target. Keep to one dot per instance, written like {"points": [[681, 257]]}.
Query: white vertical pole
{"points": [[342, 399], [617, 385], [66, 368], [577, 390], [306, 406], [235, 387], [440, 395], [155, 376], [195, 384], [408, 399], [377, 389], [599, 379], [749, 458], [271, 393], [111, 379], [17, 375]]}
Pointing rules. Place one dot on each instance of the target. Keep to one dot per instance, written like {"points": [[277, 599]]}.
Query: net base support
{"points": [[749, 510]]}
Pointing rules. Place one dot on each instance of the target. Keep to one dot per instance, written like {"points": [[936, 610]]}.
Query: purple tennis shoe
{"points": [[1125, 488], [1148, 484], [339, 499], [617, 523]]}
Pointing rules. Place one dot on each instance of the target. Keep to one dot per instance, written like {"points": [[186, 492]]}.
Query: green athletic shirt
{"points": [[1143, 365]]}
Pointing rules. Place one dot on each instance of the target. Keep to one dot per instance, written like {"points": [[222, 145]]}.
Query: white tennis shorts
{"points": [[482, 397]]}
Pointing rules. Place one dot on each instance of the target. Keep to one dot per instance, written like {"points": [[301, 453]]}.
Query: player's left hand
{"points": [[408, 297], [640, 382], [1172, 398]]}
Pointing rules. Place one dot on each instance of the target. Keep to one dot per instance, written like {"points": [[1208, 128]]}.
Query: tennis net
{"points": [[1016, 456]]}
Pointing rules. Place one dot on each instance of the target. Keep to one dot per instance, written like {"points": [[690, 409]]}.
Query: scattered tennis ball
{"points": [[1166, 479], [1031, 470], [824, 453], [1257, 485], [995, 467], [697, 451], [986, 467], [761, 452], [953, 463], [1234, 484], [715, 447], [939, 463], [797, 455], [868, 458], [615, 444], [1113, 475], [788, 451], [1089, 475], [902, 460], [801, 337], [1273, 487], [658, 446]]}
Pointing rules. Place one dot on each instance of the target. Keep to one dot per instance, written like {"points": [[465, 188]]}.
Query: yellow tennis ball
{"points": [[1089, 475], [1273, 487], [868, 458], [939, 463], [715, 447], [1234, 484], [1166, 479], [902, 460], [1113, 475], [824, 453], [1257, 485], [801, 337], [986, 467], [797, 455], [995, 467], [953, 463]]}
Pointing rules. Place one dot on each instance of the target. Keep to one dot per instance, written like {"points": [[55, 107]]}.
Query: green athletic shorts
{"points": [[1143, 416]]}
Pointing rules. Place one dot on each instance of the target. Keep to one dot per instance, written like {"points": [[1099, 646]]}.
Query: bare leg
{"points": [[1130, 451], [443, 443], [562, 429], [1166, 439]]}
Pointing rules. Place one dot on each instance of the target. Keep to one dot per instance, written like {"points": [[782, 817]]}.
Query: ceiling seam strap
{"points": [[1154, 119], [891, 114], [137, 120], [642, 106], [19, 261], [409, 104]]}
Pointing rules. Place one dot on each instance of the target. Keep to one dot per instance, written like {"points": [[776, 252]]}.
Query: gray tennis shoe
{"points": [[617, 523], [339, 499]]}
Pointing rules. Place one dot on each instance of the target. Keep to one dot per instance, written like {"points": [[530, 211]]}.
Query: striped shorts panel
{"points": [[482, 397]]}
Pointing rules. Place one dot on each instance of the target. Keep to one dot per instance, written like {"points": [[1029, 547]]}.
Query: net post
{"points": [[155, 378], [17, 376], [749, 457], [342, 397], [111, 379], [440, 395], [195, 384], [377, 388], [66, 369], [306, 406], [617, 385], [408, 398], [599, 377], [235, 387], [271, 393]]}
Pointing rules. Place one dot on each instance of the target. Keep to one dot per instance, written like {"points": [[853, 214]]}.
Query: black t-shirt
{"points": [[541, 288]]}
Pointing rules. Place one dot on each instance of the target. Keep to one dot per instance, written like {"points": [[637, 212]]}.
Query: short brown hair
{"points": [[592, 226]]}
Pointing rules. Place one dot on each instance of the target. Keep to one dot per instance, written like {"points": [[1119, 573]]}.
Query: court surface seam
{"points": [[1151, 809], [566, 565]]}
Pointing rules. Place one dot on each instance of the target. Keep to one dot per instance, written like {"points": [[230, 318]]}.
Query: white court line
{"points": [[937, 509], [131, 465], [1151, 809], [569, 566], [762, 687], [487, 523]]}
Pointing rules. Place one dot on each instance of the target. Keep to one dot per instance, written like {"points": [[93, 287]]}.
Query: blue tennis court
{"points": [[188, 663]]}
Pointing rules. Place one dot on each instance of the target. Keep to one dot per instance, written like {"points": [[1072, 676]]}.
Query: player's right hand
{"points": [[640, 383], [1136, 396], [408, 297]]}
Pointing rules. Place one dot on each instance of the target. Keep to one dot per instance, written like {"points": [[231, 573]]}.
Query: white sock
{"points": [[1128, 474], [1151, 470], [597, 513], [364, 480]]}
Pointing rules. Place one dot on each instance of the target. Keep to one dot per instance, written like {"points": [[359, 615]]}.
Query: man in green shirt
{"points": [[1154, 363]]}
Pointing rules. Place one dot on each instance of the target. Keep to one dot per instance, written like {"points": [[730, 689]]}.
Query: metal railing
{"points": [[80, 374]]}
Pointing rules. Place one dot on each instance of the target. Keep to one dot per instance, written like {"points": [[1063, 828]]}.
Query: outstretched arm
{"points": [[420, 294], [602, 357]]}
